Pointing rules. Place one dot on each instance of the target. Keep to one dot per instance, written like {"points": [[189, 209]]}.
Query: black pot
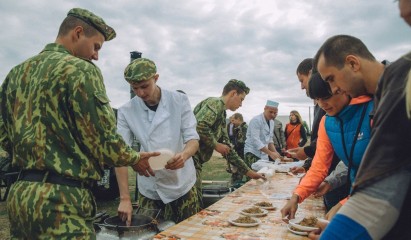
{"points": [[139, 224]]}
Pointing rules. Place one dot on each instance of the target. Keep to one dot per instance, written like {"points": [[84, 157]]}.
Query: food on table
{"points": [[245, 219], [294, 229], [309, 222], [253, 210], [264, 204]]}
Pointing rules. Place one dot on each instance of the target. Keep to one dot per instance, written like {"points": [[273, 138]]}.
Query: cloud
{"points": [[199, 45]]}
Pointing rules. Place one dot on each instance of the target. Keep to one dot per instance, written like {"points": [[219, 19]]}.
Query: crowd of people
{"points": [[59, 129]]}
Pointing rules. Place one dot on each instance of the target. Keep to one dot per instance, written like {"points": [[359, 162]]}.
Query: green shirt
{"points": [[211, 126], [56, 116]]}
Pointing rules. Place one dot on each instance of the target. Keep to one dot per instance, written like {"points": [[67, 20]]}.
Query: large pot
{"points": [[140, 224]]}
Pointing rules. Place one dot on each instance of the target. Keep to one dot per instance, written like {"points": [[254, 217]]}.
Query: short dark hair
{"points": [[237, 85], [336, 48], [305, 66], [71, 22], [318, 88], [238, 116]]}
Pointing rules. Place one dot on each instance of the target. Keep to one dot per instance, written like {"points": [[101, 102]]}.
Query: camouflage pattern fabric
{"points": [[177, 210], [239, 141], [49, 211], [236, 178], [250, 158], [198, 185], [141, 69], [211, 126], [56, 116], [5, 161], [240, 133], [95, 21]]}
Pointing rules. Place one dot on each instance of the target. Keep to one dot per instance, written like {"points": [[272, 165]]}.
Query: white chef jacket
{"points": [[259, 135], [169, 127]]}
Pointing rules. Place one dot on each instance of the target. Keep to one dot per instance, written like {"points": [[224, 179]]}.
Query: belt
{"points": [[52, 177]]}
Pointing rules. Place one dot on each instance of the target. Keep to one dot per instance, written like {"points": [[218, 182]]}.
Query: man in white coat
{"points": [[259, 142], [158, 119]]}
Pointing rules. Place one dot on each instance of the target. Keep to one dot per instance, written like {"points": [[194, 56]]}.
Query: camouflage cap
{"points": [[241, 85], [94, 21], [140, 69]]}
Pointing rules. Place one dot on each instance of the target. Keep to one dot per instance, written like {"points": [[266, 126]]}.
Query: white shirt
{"points": [[170, 127], [259, 135]]}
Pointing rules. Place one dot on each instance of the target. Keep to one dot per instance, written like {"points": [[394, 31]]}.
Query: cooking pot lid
{"points": [[215, 189], [136, 221]]}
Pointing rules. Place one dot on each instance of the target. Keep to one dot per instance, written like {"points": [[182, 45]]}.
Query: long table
{"points": [[212, 222]]}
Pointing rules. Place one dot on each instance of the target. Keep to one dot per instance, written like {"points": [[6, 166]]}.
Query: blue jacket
{"points": [[342, 128]]}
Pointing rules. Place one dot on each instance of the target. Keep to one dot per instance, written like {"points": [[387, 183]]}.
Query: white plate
{"points": [[264, 212], [257, 222], [296, 232], [295, 223], [160, 161]]}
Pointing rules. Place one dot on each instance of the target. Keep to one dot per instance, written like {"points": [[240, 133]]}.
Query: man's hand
{"points": [[222, 149], [290, 208], [322, 189], [297, 153], [125, 210], [176, 162], [143, 167], [322, 224], [255, 175]]}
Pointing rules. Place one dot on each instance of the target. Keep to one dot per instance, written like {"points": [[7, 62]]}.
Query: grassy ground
{"points": [[214, 170]]}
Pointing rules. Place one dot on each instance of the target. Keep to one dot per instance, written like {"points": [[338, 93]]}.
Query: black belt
{"points": [[51, 177]]}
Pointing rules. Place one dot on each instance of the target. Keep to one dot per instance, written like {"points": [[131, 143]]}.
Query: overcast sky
{"points": [[199, 45]]}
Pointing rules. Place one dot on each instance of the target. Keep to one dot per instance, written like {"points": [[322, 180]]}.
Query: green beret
{"points": [[241, 85], [94, 21], [140, 69]]}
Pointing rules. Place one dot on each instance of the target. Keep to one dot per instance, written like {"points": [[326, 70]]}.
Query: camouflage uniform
{"points": [[177, 210], [56, 117], [211, 126], [239, 141]]}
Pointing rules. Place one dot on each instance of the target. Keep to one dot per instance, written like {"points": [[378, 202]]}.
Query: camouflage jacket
{"points": [[211, 126], [240, 133], [55, 115]]}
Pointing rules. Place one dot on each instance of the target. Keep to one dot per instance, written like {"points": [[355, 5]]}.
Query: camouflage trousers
{"points": [[39, 210], [177, 210], [236, 178], [199, 186]]}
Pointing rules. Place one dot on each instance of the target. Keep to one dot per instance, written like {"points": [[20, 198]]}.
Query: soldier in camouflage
{"points": [[57, 124], [211, 126], [240, 131]]}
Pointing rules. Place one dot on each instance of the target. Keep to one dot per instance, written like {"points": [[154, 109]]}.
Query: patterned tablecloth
{"points": [[212, 222]]}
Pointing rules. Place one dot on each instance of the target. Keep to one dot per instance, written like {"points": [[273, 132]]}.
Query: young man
{"points": [[158, 119], [259, 143], [381, 191], [57, 124], [211, 126], [331, 198]]}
